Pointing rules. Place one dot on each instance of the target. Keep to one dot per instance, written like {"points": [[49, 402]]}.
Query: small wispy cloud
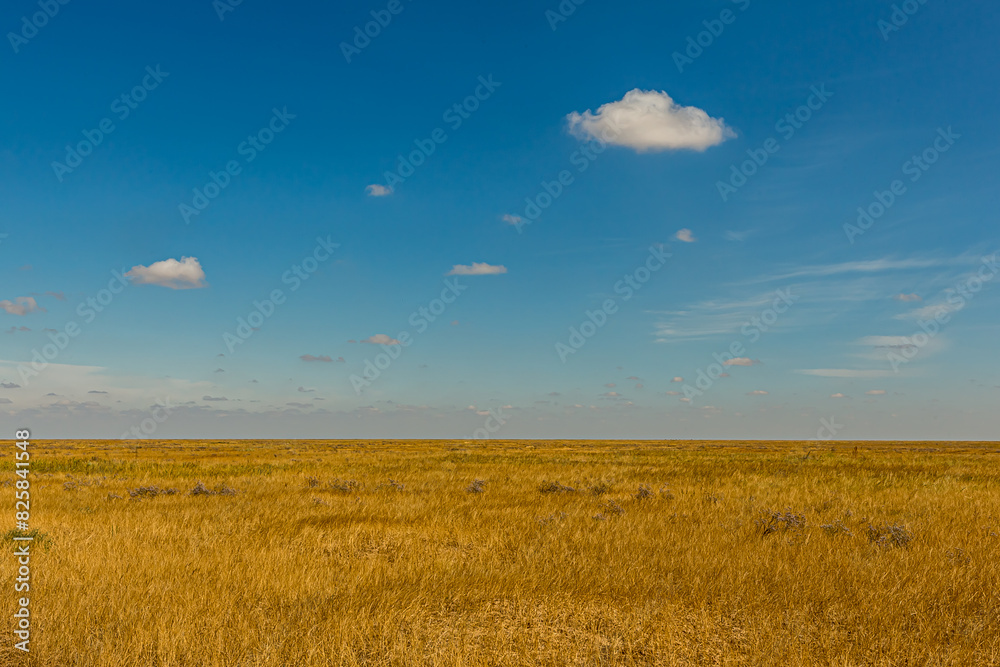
{"points": [[313, 358], [21, 306], [875, 392], [757, 392], [741, 361], [477, 269], [844, 373], [907, 297], [376, 190], [685, 235], [380, 339], [512, 219]]}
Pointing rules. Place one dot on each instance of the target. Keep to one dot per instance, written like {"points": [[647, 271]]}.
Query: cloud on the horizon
{"points": [[184, 274], [477, 269], [648, 120], [844, 373]]}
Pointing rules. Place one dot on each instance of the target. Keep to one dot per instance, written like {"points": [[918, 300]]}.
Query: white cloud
{"points": [[929, 312], [647, 120], [381, 339], [376, 190], [741, 361], [22, 305], [757, 392], [867, 266], [876, 392], [843, 373], [907, 297], [678, 379], [185, 274], [685, 235], [511, 219], [476, 269], [837, 395]]}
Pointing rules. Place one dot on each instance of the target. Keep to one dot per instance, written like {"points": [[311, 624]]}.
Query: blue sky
{"points": [[880, 330]]}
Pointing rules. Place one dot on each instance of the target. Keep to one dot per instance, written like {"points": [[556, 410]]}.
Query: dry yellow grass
{"points": [[738, 554]]}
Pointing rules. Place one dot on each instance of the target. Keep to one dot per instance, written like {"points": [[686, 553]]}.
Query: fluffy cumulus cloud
{"points": [[685, 235], [376, 190], [647, 120], [381, 339], [22, 305], [184, 274], [476, 269]]}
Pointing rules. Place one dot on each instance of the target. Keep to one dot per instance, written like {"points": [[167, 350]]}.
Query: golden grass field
{"points": [[391, 553]]}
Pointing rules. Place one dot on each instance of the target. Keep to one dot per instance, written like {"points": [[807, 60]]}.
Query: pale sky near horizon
{"points": [[726, 219]]}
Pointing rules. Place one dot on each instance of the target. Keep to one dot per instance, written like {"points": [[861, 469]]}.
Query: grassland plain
{"points": [[268, 553]]}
